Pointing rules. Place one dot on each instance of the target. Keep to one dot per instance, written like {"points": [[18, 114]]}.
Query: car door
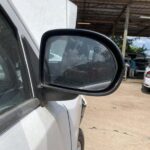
{"points": [[24, 124]]}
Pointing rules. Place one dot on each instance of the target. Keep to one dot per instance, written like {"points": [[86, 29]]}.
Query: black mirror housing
{"points": [[80, 62]]}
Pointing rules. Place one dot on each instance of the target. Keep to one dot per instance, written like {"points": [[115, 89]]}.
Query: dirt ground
{"points": [[120, 121]]}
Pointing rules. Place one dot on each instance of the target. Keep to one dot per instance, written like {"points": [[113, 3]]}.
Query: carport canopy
{"points": [[115, 17]]}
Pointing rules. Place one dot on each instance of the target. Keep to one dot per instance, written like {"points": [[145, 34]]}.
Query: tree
{"points": [[130, 48]]}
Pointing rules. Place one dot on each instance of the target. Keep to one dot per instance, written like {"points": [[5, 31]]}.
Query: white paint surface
{"points": [[146, 80], [44, 128], [40, 16]]}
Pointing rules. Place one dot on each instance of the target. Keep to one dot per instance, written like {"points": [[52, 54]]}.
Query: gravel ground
{"points": [[120, 121]]}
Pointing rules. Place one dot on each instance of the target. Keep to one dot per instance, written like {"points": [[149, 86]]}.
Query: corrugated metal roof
{"points": [[104, 15]]}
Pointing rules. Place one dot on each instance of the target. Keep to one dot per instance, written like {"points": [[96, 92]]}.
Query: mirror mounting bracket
{"points": [[50, 94]]}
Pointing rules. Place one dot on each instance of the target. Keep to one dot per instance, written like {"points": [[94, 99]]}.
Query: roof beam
{"points": [[142, 30], [84, 9], [119, 16], [122, 12], [101, 10], [98, 21], [114, 2]]}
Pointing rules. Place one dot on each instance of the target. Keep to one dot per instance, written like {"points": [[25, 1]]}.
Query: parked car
{"points": [[141, 64], [146, 84], [41, 106]]}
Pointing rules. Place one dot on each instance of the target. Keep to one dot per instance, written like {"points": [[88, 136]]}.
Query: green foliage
{"points": [[118, 40], [134, 49], [130, 48]]}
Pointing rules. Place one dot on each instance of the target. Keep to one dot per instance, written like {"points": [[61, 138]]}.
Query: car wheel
{"points": [[81, 140], [145, 89]]}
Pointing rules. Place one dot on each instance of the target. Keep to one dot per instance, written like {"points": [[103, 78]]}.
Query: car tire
{"points": [[145, 89], [81, 140]]}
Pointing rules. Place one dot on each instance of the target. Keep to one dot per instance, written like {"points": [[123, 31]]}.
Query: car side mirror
{"points": [[80, 62]]}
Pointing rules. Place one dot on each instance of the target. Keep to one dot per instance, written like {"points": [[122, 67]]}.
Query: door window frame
{"points": [[11, 117]]}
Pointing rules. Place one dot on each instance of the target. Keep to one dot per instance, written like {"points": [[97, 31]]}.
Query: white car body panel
{"points": [[40, 130], [72, 15], [45, 15], [146, 80], [74, 108], [55, 127]]}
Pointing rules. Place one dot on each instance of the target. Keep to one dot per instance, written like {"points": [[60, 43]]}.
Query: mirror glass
{"points": [[79, 63]]}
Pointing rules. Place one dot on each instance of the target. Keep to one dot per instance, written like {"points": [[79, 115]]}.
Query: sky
{"points": [[142, 41]]}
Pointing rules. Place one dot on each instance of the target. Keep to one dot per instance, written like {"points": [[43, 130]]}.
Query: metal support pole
{"points": [[125, 31]]}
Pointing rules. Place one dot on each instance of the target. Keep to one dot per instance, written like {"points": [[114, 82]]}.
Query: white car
{"points": [[41, 106], [146, 83]]}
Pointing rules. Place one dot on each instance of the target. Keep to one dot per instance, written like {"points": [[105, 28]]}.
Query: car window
{"points": [[14, 81], [57, 52]]}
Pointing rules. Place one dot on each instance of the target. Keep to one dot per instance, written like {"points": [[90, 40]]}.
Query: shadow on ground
{"points": [[145, 90]]}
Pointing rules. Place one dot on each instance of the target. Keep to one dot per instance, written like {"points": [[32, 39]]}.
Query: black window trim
{"points": [[33, 67], [27, 65], [18, 37], [11, 117]]}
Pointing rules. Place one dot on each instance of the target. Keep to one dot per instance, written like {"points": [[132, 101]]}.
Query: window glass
{"points": [[57, 51], [14, 82], [79, 63]]}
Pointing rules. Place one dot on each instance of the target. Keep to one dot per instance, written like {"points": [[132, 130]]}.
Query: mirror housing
{"points": [[93, 85]]}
